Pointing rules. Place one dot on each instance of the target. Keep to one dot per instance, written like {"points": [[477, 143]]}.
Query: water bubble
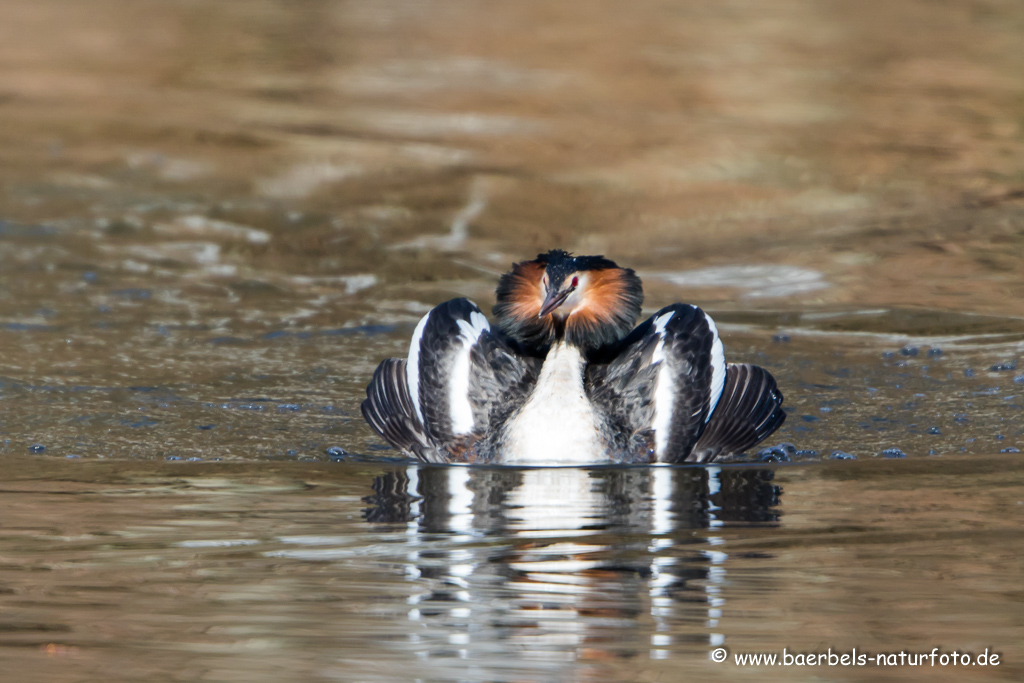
{"points": [[1010, 449], [934, 430], [893, 453], [37, 448], [336, 453], [934, 351], [780, 338], [909, 351], [772, 454], [842, 455], [1003, 367], [173, 457]]}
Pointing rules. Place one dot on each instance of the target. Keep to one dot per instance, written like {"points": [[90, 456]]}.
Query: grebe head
{"points": [[588, 301]]}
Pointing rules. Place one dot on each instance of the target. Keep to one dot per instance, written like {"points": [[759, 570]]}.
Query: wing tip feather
{"points": [[749, 411]]}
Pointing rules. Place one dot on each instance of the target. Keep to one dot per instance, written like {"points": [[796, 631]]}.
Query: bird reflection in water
{"points": [[561, 564]]}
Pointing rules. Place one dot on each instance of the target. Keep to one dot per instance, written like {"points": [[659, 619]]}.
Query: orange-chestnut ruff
{"points": [[587, 300]]}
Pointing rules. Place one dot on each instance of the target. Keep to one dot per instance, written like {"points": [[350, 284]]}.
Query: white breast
{"points": [[557, 425]]}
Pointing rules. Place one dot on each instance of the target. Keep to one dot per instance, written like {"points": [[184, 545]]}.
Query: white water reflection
{"points": [[767, 281], [424, 74], [559, 565]]}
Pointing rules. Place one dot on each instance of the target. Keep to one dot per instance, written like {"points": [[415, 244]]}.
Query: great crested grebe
{"points": [[567, 380]]}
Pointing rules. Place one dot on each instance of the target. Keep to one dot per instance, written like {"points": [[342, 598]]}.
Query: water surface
{"points": [[369, 572]]}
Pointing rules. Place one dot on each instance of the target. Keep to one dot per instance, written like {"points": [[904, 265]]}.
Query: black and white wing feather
{"points": [[662, 383], [461, 378], [388, 408], [749, 410]]}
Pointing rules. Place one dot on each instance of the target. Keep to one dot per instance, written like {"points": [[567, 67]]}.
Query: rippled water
{"points": [[217, 218], [377, 573]]}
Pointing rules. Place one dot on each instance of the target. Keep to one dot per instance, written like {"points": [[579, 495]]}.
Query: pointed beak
{"points": [[553, 300]]}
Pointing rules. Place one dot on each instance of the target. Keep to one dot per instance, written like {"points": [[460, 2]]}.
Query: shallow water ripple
{"points": [[356, 572]]}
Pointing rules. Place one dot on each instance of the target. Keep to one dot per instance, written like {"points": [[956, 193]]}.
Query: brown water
{"points": [[216, 218]]}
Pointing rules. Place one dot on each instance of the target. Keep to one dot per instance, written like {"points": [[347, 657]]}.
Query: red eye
{"points": [[575, 281]]}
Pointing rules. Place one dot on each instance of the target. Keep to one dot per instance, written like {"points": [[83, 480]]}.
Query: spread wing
{"points": [[389, 410], [461, 379], [748, 412], [660, 386]]}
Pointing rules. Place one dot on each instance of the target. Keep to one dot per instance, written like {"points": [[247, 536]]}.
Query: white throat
{"points": [[557, 425]]}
